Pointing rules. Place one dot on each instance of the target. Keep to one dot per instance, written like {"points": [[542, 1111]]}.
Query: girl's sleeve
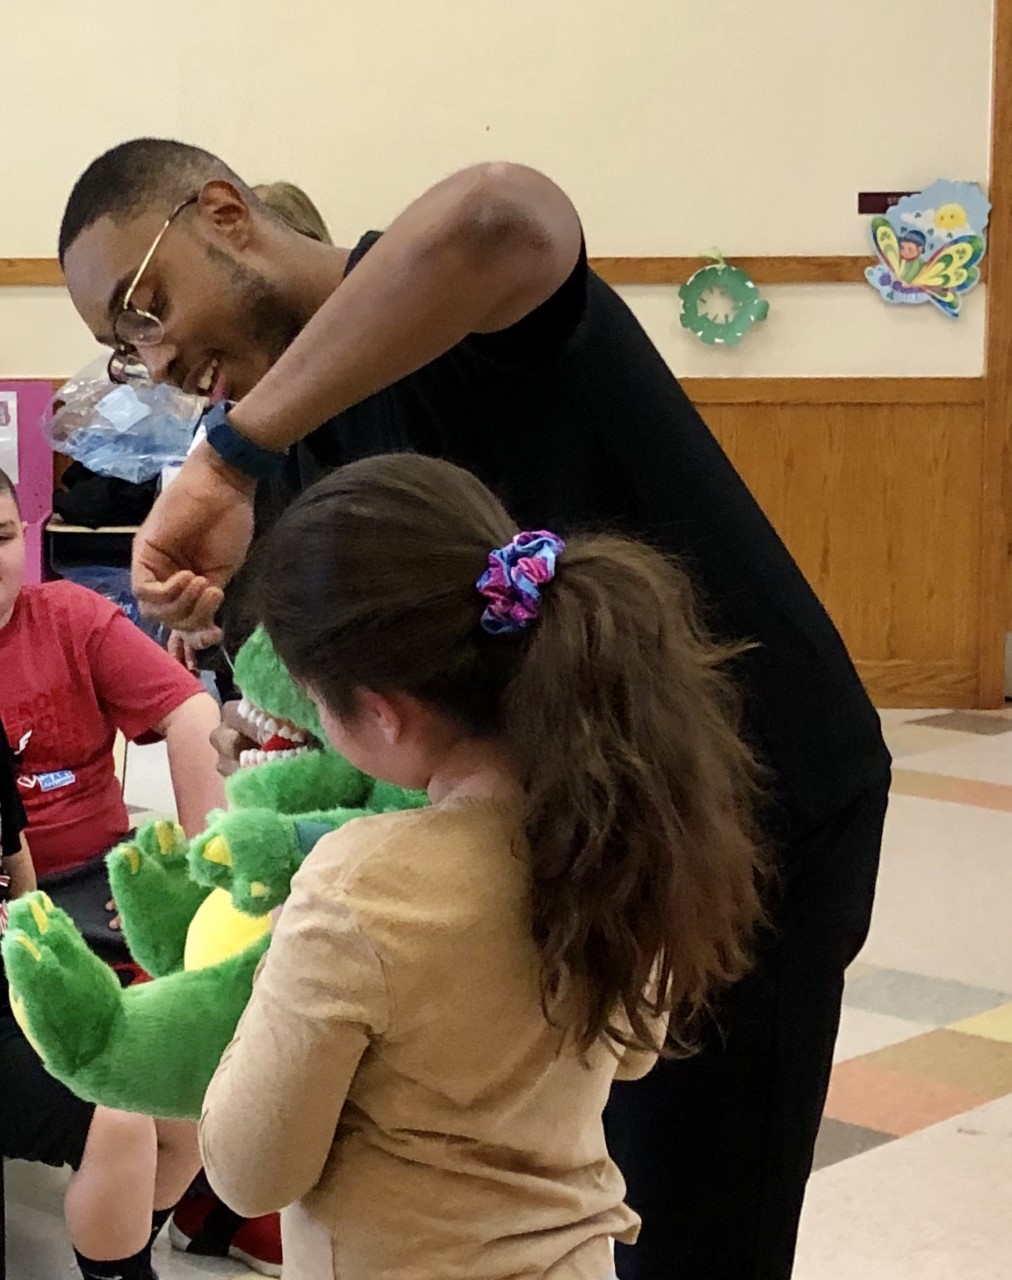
{"points": [[272, 1108]]}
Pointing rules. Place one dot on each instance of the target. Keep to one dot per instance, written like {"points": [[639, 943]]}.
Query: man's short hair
{"points": [[134, 176]]}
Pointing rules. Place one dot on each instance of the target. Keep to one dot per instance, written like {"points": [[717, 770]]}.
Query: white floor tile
{"points": [[864, 1032], [944, 891], [933, 1206], [984, 759]]}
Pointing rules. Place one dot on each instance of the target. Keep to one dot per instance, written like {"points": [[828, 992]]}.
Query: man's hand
{"points": [[230, 739], [192, 543]]}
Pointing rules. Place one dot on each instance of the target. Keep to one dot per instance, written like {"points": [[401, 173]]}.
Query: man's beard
{"points": [[267, 321]]}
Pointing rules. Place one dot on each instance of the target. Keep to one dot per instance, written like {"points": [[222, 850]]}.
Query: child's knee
{"points": [[121, 1136]]}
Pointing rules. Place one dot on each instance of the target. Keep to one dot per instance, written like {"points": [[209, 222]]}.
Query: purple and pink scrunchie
{"points": [[513, 580]]}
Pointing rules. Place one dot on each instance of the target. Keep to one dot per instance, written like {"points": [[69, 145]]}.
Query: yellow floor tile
{"points": [[980, 1066], [996, 1024]]}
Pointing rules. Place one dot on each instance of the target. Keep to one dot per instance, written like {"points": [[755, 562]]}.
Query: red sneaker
{"points": [[203, 1225]]}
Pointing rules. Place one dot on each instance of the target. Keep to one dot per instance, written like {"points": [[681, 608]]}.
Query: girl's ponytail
{"points": [[624, 728]]}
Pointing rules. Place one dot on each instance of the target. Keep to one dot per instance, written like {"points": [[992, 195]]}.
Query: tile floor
{"points": [[913, 1173], [914, 1164]]}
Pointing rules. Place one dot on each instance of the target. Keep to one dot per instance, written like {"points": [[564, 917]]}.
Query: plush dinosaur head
{"points": [[277, 714]]}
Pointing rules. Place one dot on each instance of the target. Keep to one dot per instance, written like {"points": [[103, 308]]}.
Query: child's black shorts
{"points": [[40, 1119]]}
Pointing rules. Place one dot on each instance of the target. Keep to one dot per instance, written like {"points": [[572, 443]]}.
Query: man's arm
{"points": [[193, 761], [474, 254]]}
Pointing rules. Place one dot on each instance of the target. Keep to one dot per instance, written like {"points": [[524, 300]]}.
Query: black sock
{"points": [[158, 1220], [136, 1268]]}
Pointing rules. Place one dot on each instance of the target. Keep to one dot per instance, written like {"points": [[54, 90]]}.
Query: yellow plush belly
{"points": [[218, 931]]}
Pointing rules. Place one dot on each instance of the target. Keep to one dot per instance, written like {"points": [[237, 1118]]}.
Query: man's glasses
{"points": [[133, 327]]}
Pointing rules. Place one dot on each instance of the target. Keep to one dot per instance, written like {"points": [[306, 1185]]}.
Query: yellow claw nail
{"points": [[169, 835], [216, 850], [39, 913], [258, 889], [21, 1018], [23, 940], [133, 857]]}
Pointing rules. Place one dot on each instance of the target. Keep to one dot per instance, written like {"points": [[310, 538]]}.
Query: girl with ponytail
{"points": [[451, 991]]}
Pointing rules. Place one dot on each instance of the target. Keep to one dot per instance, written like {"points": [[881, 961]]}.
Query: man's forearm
{"points": [[193, 761], [474, 254]]}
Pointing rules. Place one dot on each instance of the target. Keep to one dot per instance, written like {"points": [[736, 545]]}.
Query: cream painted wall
{"points": [[674, 124]]}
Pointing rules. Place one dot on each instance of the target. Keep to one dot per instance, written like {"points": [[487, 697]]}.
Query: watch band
{"points": [[236, 449]]}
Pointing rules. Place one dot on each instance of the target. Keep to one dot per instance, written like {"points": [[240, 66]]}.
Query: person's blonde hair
{"points": [[291, 204]]}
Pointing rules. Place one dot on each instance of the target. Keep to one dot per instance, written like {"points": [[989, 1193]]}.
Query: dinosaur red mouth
{"points": [[276, 739]]}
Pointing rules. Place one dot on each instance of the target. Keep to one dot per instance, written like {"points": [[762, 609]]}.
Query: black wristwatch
{"points": [[236, 449]]}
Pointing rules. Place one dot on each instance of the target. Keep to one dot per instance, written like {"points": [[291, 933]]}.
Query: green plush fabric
{"points": [[154, 1046]]}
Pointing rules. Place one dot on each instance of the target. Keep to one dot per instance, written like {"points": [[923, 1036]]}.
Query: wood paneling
{"points": [[996, 510], [878, 503]]}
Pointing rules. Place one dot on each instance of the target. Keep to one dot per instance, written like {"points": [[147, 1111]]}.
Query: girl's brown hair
{"points": [[612, 707]]}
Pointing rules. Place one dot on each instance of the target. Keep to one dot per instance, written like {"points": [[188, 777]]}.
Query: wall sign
{"points": [[930, 246]]}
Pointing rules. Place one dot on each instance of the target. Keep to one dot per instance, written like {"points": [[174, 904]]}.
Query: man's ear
{"points": [[225, 210]]}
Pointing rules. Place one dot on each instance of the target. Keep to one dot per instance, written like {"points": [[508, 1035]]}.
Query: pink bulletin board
{"points": [[34, 481]]}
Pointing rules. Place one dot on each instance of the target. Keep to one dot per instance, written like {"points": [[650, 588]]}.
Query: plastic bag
{"points": [[130, 431]]}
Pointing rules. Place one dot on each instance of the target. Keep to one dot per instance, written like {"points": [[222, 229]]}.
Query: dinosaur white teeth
{"points": [[297, 735], [270, 727], [245, 708], [246, 758], [284, 731]]}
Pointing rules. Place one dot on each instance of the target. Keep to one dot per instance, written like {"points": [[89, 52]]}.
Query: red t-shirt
{"points": [[73, 670]]}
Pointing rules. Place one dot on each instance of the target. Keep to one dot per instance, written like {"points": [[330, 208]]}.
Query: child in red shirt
{"points": [[73, 671]]}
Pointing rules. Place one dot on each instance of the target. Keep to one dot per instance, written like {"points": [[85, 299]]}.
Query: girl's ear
{"points": [[388, 715]]}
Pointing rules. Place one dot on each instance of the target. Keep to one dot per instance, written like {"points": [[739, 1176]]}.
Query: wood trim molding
{"points": [[26, 273], [826, 269], [996, 481], [45, 272], [890, 390], [798, 390], [764, 270], [902, 683], [887, 390]]}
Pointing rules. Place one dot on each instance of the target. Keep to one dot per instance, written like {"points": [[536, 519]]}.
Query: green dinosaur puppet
{"points": [[195, 914]]}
